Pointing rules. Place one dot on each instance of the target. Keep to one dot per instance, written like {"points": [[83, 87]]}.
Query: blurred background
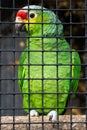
{"points": [[69, 11]]}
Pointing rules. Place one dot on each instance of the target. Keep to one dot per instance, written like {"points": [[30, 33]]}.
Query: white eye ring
{"points": [[32, 15]]}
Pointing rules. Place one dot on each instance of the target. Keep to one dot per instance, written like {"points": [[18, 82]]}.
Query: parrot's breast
{"points": [[45, 80]]}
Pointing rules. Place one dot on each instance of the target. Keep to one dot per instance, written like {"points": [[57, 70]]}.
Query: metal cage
{"points": [[73, 15]]}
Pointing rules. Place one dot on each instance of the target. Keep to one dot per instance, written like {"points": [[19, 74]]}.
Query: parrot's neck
{"points": [[47, 44]]}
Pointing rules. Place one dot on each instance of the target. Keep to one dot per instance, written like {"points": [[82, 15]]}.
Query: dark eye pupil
{"points": [[32, 15]]}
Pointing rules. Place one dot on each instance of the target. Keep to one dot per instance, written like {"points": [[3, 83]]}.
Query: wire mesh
{"points": [[13, 115]]}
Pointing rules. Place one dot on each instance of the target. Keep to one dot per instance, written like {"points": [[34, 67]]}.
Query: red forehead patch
{"points": [[22, 14]]}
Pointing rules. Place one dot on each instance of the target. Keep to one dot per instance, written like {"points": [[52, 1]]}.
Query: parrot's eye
{"points": [[32, 15]]}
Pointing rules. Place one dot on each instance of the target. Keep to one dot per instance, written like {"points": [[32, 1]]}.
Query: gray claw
{"points": [[34, 113], [52, 116]]}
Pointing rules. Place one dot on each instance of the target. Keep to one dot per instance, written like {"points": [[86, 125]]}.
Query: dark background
{"points": [[9, 45]]}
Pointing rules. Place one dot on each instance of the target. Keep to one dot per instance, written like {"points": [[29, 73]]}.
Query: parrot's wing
{"points": [[21, 69], [75, 70]]}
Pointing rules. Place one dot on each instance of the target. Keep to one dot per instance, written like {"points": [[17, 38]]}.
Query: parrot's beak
{"points": [[19, 26]]}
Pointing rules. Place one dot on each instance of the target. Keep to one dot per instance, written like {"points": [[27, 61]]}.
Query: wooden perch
{"points": [[22, 123]]}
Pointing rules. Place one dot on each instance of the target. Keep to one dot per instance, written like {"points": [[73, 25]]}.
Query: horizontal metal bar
{"points": [[22, 50], [17, 108], [43, 78], [58, 9], [44, 93], [56, 23], [17, 36], [41, 122], [60, 64]]}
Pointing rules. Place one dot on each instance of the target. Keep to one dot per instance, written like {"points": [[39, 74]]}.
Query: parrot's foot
{"points": [[34, 113], [52, 116]]}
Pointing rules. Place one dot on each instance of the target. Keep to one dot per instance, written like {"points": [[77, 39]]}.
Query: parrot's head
{"points": [[38, 21]]}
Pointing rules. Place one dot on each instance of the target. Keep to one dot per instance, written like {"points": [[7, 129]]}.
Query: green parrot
{"points": [[48, 68]]}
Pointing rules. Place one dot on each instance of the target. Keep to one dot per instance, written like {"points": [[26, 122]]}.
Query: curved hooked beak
{"points": [[19, 25]]}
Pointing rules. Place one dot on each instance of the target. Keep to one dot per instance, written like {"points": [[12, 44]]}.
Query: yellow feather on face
{"points": [[32, 20], [29, 21]]}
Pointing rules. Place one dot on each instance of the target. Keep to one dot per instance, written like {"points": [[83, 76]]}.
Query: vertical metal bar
{"points": [[86, 56], [70, 65], [42, 71], [29, 72], [57, 60], [0, 70], [13, 74]]}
